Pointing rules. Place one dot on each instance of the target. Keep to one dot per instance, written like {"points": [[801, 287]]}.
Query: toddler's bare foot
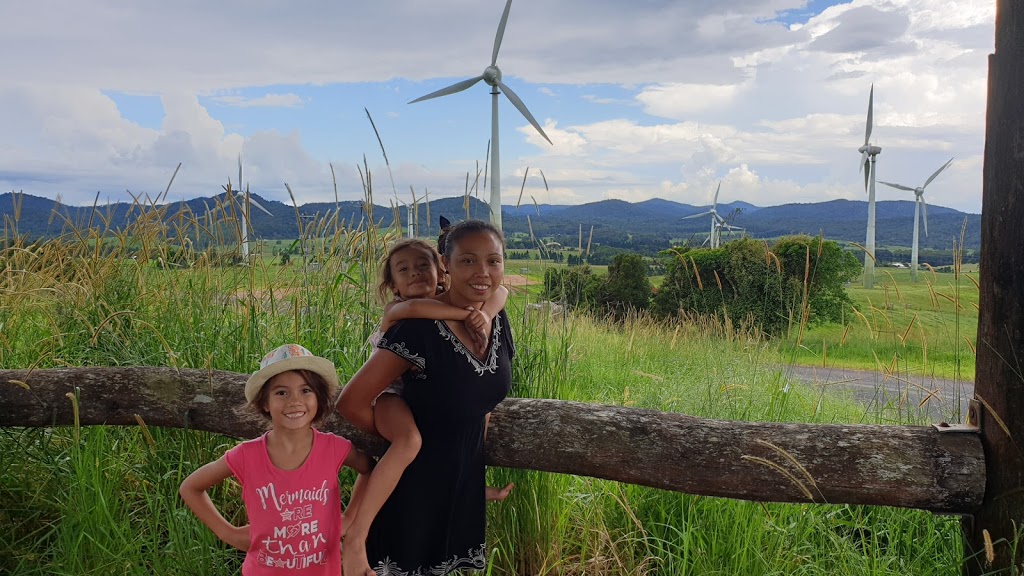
{"points": [[492, 494]]}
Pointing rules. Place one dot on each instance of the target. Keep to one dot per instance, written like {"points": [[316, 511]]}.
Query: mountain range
{"points": [[644, 226]]}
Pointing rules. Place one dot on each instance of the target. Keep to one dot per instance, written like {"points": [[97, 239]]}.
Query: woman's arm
{"points": [[362, 463], [355, 401], [193, 492]]}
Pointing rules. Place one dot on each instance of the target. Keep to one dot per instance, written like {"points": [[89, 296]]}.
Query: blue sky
{"points": [[641, 100]]}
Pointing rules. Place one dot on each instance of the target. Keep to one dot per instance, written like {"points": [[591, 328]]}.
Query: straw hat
{"points": [[290, 357]]}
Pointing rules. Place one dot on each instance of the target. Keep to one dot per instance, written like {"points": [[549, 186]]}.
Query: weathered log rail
{"points": [[905, 466]]}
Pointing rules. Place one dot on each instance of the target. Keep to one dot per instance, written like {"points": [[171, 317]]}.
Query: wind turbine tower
{"points": [[245, 214], [867, 165], [920, 212], [492, 76]]}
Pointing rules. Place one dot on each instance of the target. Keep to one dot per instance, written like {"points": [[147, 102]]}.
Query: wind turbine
{"points": [[716, 220], [868, 152], [492, 76], [727, 227], [920, 210], [245, 214]]}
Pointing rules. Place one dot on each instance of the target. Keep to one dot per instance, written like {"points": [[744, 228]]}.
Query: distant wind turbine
{"points": [[867, 165], [920, 210], [492, 76], [716, 221], [247, 200]]}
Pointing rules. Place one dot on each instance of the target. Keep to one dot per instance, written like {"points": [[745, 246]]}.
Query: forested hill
{"points": [[616, 222], [644, 226]]}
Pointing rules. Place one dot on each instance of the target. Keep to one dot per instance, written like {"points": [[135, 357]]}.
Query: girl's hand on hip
{"points": [[238, 537]]}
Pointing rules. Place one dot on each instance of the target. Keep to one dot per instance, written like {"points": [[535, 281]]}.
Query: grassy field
{"points": [[926, 329], [104, 500], [900, 327]]}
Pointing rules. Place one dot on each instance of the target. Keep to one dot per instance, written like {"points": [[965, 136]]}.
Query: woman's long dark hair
{"points": [[451, 235]]}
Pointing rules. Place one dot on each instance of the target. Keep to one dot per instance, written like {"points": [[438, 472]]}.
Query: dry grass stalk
{"points": [[786, 473]]}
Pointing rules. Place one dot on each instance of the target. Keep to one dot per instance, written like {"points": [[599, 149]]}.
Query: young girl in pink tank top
{"points": [[289, 475]]}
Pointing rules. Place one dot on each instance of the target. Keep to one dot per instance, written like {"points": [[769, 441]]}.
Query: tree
{"points": [[626, 289], [824, 267], [687, 273], [574, 286]]}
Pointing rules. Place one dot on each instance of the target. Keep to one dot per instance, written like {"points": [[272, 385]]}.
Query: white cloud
{"points": [[681, 101], [719, 92], [266, 101]]}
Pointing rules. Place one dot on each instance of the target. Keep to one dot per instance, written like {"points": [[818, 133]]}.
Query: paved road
{"points": [[941, 400]]}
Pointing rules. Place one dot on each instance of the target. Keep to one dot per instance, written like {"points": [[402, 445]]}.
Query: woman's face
{"points": [[476, 268]]}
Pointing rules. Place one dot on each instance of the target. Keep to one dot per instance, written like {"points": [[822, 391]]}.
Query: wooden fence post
{"points": [[999, 381]]}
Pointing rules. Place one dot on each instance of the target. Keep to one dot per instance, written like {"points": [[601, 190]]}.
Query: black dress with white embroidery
{"points": [[433, 523]]}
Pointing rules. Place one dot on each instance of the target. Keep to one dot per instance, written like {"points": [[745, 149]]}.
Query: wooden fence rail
{"points": [[906, 466]]}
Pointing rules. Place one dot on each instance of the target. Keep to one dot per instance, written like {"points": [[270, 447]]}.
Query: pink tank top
{"points": [[294, 515]]}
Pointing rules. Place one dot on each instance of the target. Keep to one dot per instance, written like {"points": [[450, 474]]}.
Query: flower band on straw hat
{"points": [[290, 357]]}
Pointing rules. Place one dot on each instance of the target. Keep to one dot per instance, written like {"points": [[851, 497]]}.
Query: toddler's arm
{"points": [[495, 304], [420, 308], [193, 492], [479, 321]]}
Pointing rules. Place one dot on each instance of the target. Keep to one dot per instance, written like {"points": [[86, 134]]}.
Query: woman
{"points": [[433, 523]]}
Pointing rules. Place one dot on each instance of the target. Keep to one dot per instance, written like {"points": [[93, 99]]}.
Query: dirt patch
{"points": [[518, 280]]}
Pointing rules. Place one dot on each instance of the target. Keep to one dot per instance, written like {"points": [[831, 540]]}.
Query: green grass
{"points": [[926, 328], [104, 500], [575, 525]]}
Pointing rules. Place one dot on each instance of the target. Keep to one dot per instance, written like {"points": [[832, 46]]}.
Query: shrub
{"points": [[574, 286], [745, 280]]}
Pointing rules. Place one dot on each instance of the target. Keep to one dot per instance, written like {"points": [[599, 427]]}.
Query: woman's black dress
{"points": [[434, 521]]}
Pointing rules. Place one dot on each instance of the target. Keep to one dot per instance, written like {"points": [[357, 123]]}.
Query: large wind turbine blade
{"points": [[900, 186], [924, 213], [871, 108], [521, 107], [457, 87], [257, 204], [932, 177], [714, 204], [866, 168], [696, 215], [501, 33]]}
